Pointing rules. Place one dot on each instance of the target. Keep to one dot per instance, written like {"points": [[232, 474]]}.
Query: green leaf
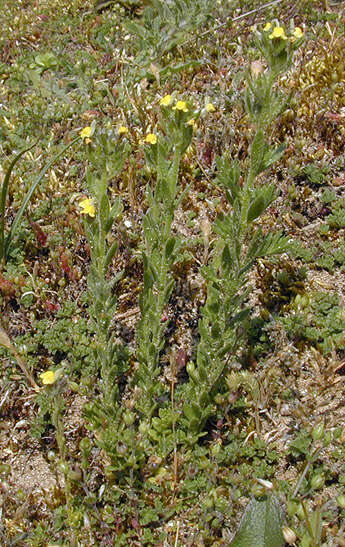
{"points": [[273, 155], [104, 209], [169, 247], [148, 280], [3, 195], [114, 213], [256, 208], [264, 196], [229, 176], [238, 318], [261, 524], [257, 153], [110, 254], [189, 412]]}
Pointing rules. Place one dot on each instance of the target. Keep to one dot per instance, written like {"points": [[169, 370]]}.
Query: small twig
{"points": [[4, 398], [126, 314], [177, 532]]}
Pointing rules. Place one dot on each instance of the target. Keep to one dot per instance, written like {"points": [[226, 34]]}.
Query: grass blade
{"points": [[3, 196], [28, 196]]}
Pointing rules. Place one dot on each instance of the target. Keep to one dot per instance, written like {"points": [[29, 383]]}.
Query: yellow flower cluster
{"points": [[279, 32], [182, 106]]}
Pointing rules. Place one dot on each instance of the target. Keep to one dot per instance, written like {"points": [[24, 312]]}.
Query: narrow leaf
{"points": [[256, 208], [3, 196], [257, 153], [29, 194], [110, 254], [169, 247], [271, 156]]}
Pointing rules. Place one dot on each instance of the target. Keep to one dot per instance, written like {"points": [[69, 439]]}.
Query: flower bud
{"points": [[109, 473], [51, 455], [219, 399], [341, 479], [258, 490], [341, 501], [129, 417], [292, 508], [215, 449], [190, 367], [74, 386], [144, 427], [327, 438], [85, 444], [300, 512], [317, 481], [289, 535], [5, 469], [318, 431], [75, 474], [122, 448], [21, 494], [63, 467]]}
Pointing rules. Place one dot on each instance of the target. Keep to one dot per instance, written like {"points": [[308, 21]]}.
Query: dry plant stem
{"points": [[177, 533], [6, 343], [314, 540], [61, 442], [174, 433]]}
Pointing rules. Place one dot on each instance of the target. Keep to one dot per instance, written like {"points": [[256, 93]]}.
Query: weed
{"points": [[142, 284]]}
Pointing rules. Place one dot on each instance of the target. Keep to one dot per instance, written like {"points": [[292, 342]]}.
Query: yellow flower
{"points": [[166, 100], [210, 107], [267, 27], [191, 122], [298, 32], [122, 130], [151, 138], [181, 105], [87, 207], [278, 32], [48, 377], [85, 133]]}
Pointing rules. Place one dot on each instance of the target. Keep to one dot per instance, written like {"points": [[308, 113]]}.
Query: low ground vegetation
{"points": [[172, 273]]}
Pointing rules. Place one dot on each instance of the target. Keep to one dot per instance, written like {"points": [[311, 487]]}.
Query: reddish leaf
{"points": [[51, 306], [181, 359], [66, 267], [136, 524], [6, 287], [41, 236]]}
